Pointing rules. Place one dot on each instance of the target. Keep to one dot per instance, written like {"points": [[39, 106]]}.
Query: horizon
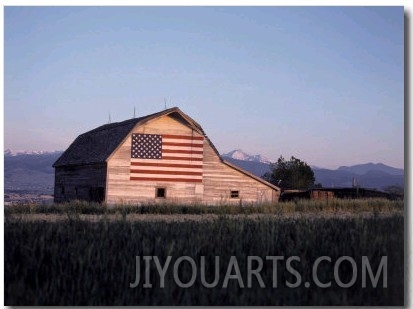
{"points": [[323, 84], [18, 152]]}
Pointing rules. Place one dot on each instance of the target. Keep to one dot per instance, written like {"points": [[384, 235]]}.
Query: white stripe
{"points": [[181, 148], [171, 169], [182, 141], [182, 155], [187, 161], [165, 176]]}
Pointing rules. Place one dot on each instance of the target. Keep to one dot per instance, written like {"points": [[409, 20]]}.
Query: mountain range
{"points": [[369, 175], [29, 171], [33, 172]]}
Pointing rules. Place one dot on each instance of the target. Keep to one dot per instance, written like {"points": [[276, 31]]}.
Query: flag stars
{"points": [[146, 146]]}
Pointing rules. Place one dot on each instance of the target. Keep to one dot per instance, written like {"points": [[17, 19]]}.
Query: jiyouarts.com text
{"points": [[254, 272]]}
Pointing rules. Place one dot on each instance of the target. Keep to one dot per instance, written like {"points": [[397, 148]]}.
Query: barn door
{"points": [[97, 194]]}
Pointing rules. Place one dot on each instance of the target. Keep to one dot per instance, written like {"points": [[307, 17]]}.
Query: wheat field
{"points": [[87, 255]]}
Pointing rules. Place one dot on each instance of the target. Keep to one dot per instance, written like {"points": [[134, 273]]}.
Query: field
{"points": [[80, 254]]}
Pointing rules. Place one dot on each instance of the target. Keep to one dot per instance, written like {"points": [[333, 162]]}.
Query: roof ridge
{"points": [[111, 125], [127, 121]]}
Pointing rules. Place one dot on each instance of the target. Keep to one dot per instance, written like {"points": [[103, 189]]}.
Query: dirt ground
{"points": [[191, 217]]}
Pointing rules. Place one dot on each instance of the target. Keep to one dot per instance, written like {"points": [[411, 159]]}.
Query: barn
{"points": [[160, 157]]}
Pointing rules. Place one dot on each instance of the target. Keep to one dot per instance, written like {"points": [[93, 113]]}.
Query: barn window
{"points": [[161, 192], [234, 194], [62, 190], [76, 191]]}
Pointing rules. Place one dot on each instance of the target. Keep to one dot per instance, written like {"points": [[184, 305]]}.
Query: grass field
{"points": [[298, 206], [78, 262]]}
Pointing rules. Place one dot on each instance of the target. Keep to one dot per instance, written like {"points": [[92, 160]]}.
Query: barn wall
{"points": [[218, 178], [83, 182], [120, 189]]}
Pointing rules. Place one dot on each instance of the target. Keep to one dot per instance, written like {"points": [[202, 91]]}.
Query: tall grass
{"points": [[84, 263], [337, 205]]}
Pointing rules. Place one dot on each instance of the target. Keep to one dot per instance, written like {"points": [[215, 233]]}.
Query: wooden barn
{"points": [[161, 157]]}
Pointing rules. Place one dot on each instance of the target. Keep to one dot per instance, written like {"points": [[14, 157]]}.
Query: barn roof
{"points": [[97, 145]]}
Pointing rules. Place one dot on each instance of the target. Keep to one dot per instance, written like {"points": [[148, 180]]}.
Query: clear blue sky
{"points": [[325, 84]]}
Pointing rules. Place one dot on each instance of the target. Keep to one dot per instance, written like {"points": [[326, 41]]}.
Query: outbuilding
{"points": [[164, 156]]}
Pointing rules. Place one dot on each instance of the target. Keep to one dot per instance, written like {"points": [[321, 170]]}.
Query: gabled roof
{"points": [[97, 145]]}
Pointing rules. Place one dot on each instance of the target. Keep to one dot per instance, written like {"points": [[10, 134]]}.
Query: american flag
{"points": [[166, 157]]}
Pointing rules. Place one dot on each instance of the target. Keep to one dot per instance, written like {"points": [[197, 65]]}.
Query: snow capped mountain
{"points": [[11, 153], [238, 154]]}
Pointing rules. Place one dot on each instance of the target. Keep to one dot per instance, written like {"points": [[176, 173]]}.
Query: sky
{"points": [[323, 84]]}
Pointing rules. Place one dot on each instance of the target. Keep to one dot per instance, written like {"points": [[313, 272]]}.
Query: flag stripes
{"points": [[194, 138], [183, 145], [181, 158], [165, 165], [182, 151], [165, 179], [166, 172]]}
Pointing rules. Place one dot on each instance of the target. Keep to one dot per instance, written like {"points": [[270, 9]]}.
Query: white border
{"points": [[408, 10]]}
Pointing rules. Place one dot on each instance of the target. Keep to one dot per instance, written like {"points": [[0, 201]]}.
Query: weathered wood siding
{"points": [[218, 178], [79, 182], [120, 189]]}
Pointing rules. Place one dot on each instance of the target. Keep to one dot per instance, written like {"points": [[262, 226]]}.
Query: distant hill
{"points": [[376, 179], [362, 169], [369, 175], [30, 172]]}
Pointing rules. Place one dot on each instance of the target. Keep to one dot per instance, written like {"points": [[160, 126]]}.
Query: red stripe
{"points": [[181, 158], [196, 138], [182, 144], [165, 179], [165, 165], [166, 172], [182, 151]]}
